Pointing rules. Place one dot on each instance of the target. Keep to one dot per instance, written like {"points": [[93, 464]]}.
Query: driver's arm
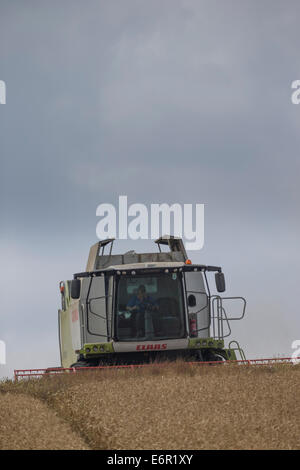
{"points": [[131, 309], [131, 306]]}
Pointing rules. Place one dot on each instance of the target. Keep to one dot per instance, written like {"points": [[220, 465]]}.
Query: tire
{"points": [[212, 356], [77, 365]]}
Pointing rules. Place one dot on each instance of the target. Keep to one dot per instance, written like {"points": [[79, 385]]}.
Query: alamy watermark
{"points": [[295, 97], [2, 353], [138, 222], [2, 92], [296, 353]]}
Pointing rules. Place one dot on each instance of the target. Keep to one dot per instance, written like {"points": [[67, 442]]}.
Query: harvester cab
{"points": [[140, 307]]}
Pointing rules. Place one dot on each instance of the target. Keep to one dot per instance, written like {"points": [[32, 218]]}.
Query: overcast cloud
{"points": [[163, 101]]}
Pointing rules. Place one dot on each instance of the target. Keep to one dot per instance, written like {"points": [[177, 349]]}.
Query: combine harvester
{"points": [[137, 308]]}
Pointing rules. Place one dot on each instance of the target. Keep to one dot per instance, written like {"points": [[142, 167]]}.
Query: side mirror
{"points": [[191, 300], [75, 288], [220, 282]]}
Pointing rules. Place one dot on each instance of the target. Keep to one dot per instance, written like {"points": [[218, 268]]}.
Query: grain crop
{"points": [[173, 406]]}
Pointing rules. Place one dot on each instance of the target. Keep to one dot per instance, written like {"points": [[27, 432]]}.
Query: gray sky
{"points": [[173, 101]]}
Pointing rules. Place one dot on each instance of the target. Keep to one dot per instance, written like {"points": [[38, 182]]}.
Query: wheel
{"points": [[79, 364], [209, 355]]}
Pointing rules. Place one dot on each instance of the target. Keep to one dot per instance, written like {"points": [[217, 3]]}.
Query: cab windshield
{"points": [[149, 307]]}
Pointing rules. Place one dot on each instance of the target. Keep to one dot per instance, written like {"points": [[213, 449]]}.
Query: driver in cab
{"points": [[138, 305], [142, 301]]}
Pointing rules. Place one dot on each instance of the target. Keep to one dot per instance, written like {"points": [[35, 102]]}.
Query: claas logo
{"points": [[150, 347]]}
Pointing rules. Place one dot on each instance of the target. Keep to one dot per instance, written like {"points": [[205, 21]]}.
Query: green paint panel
{"points": [[198, 343], [92, 349]]}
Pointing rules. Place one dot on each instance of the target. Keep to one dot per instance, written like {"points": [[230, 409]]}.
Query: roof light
{"points": [[188, 261]]}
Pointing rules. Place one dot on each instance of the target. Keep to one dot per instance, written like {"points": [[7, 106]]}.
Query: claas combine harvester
{"points": [[143, 307]]}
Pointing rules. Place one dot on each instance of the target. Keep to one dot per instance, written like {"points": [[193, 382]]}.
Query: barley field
{"points": [[173, 406]]}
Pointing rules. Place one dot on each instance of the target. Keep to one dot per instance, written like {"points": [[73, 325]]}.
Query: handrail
{"points": [[219, 315]]}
